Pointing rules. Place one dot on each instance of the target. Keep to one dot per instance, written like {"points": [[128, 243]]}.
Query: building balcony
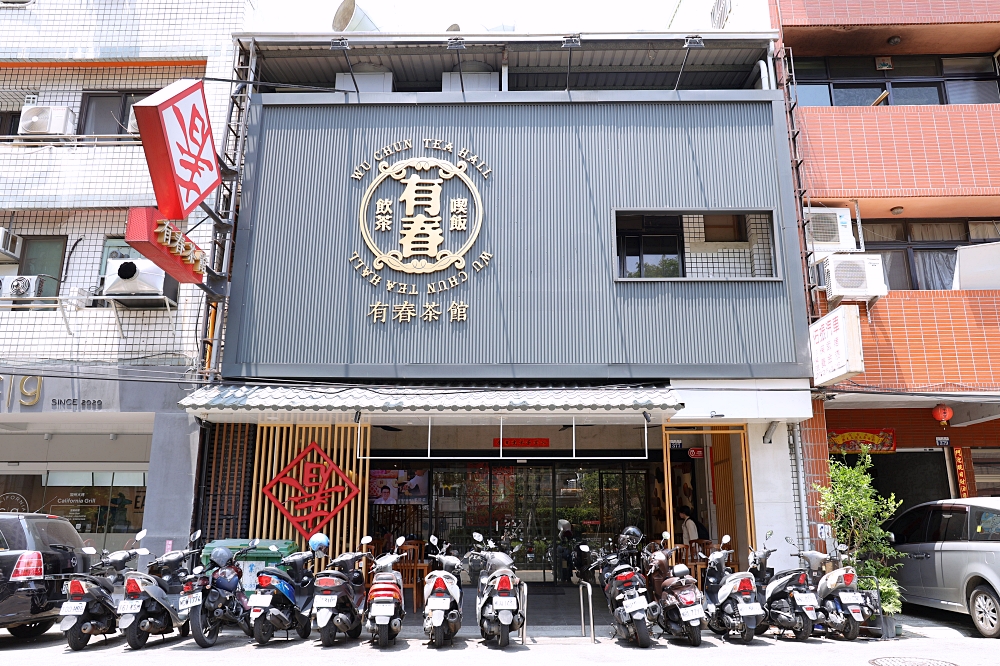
{"points": [[944, 160], [73, 173]]}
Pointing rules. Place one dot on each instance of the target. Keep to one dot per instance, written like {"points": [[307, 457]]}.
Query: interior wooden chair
{"points": [[411, 569]]}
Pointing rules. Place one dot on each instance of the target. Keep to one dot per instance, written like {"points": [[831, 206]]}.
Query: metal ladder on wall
{"points": [[225, 211]]}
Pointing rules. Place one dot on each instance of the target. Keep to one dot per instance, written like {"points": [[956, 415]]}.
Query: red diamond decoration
{"points": [[313, 485]]}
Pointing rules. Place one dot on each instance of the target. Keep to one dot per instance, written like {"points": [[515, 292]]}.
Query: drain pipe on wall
{"points": [[800, 470]]}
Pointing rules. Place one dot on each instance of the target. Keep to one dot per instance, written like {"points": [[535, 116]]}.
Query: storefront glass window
{"points": [[986, 465]]}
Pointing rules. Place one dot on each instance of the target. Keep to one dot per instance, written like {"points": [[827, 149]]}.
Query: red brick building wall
{"points": [[914, 428], [887, 12]]}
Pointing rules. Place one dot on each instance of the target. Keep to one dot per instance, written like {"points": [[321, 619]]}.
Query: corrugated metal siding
{"points": [[549, 295]]}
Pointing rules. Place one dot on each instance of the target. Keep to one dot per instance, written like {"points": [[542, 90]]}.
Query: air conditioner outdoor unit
{"points": [[23, 286], [132, 279], [10, 247], [133, 126], [854, 277], [828, 230], [58, 120]]}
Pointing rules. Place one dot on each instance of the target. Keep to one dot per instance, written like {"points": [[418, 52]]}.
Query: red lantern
{"points": [[942, 414]]}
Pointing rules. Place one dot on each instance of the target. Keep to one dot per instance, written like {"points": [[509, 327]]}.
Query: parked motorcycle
{"points": [[682, 609], [732, 597], [498, 605], [151, 603], [788, 598], [625, 590], [216, 596], [385, 598], [842, 608], [91, 607], [443, 596], [284, 597], [340, 596]]}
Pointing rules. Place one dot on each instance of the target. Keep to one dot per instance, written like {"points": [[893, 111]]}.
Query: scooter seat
{"points": [[105, 584], [278, 573]]}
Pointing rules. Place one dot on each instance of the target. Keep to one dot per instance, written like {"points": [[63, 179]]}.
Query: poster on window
{"points": [[398, 486]]}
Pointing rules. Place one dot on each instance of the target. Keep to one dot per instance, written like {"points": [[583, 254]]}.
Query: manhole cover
{"points": [[908, 661]]}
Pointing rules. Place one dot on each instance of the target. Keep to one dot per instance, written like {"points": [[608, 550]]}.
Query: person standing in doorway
{"points": [[689, 526]]}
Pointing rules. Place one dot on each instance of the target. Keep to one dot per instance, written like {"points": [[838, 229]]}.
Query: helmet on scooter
{"points": [[630, 537], [220, 556], [319, 543]]}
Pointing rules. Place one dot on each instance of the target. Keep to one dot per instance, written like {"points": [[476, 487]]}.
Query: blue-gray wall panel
{"points": [[548, 304]]}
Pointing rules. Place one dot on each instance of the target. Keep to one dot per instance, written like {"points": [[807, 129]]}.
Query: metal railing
{"points": [[590, 599], [49, 303], [75, 140]]}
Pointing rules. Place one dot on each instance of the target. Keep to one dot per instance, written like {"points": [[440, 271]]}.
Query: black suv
{"points": [[38, 553]]}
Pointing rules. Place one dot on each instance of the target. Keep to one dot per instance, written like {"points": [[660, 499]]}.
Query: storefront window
{"points": [[986, 465]]}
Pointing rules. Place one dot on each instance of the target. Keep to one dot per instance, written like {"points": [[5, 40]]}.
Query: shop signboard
{"points": [[522, 442], [160, 241], [835, 342], [696, 453], [855, 439]]}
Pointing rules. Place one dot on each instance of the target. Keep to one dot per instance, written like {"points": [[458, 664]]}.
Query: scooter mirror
{"points": [[490, 544], [789, 541], [365, 540], [89, 550], [198, 570], [516, 548], [584, 548], [665, 535], [273, 548], [433, 540], [842, 547], [140, 535], [477, 536], [400, 541], [725, 539], [769, 534], [195, 536], [892, 537], [253, 543], [142, 551]]}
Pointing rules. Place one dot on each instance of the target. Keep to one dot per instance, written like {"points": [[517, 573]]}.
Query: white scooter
{"points": [[443, 597], [498, 605]]}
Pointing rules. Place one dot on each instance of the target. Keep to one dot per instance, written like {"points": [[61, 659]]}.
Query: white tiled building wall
{"points": [[751, 258], [83, 191]]}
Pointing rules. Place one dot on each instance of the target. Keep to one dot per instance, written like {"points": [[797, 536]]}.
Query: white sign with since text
{"points": [[835, 341]]}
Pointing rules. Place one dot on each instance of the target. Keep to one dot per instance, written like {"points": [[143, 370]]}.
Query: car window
{"points": [[12, 534], [49, 531], [985, 525], [911, 527], [948, 525]]}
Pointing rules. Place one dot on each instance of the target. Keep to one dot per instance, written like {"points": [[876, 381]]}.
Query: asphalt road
{"points": [[927, 635]]}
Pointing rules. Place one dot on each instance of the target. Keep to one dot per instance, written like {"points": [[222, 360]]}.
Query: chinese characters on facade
{"points": [[406, 312]]}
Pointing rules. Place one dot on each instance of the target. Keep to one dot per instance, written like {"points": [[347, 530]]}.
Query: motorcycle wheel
{"points": [[205, 631], [262, 631], [694, 635], [246, 626], [504, 635], [383, 638], [33, 630], [328, 634], [439, 637], [185, 629], [761, 629], [135, 636], [303, 626], [355, 632], [746, 635], [76, 639], [642, 635], [716, 629], [851, 628], [805, 631]]}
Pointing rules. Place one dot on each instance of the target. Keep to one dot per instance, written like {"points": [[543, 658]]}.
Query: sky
{"points": [[524, 16]]}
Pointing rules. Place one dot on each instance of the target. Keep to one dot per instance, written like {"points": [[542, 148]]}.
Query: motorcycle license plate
{"points": [[634, 604], [129, 606], [325, 601], [806, 599], [188, 600], [73, 608], [851, 598], [750, 609], [383, 609], [691, 612], [504, 603], [259, 600], [438, 603]]}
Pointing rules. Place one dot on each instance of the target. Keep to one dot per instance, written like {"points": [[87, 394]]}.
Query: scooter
{"points": [[498, 605], [151, 603], [92, 599], [682, 609], [843, 608], [283, 599], [216, 596], [443, 596], [732, 604], [340, 596], [789, 602], [625, 590], [385, 613]]}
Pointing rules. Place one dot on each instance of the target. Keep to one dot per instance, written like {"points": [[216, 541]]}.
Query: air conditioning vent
{"points": [[24, 286], [10, 247], [51, 120], [828, 230], [854, 277], [131, 279], [133, 126]]}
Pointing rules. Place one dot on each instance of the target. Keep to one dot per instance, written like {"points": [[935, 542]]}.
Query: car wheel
{"points": [[984, 606], [31, 630]]}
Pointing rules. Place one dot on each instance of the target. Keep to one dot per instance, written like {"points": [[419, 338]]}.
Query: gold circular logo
{"points": [[421, 215]]}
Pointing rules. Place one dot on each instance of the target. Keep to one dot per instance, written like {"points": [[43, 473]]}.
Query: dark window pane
{"points": [[129, 101], [810, 68], [935, 268], [725, 228], [911, 527], [882, 232], [984, 230], [985, 525], [948, 525], [854, 67], [911, 94], [813, 95], [661, 222], [44, 256], [629, 256], [968, 65], [102, 115], [905, 66], [660, 258], [972, 92], [896, 269], [856, 95], [629, 222]]}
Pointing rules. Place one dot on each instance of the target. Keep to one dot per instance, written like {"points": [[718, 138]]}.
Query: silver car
{"points": [[952, 558]]}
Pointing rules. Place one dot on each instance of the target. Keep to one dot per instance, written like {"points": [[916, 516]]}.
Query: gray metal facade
{"points": [[548, 305]]}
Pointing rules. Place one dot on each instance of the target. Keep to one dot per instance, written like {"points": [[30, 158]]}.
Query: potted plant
{"points": [[856, 512]]}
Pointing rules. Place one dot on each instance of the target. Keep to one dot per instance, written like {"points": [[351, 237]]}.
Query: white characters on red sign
{"points": [[192, 150]]}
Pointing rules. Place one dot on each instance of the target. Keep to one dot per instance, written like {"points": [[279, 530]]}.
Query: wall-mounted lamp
{"points": [[716, 415], [112, 437], [896, 210], [357, 417], [47, 436], [690, 42], [894, 40], [646, 416], [456, 43]]}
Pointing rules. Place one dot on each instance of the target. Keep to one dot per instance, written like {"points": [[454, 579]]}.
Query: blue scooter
{"points": [[284, 598]]}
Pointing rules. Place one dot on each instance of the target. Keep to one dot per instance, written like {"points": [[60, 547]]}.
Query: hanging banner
{"points": [[160, 241], [180, 150], [854, 439], [962, 472]]}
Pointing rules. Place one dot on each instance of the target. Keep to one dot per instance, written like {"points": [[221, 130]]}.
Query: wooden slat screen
{"points": [[725, 502], [227, 478]]}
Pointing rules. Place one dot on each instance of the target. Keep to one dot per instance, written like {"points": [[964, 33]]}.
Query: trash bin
{"points": [[254, 560]]}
